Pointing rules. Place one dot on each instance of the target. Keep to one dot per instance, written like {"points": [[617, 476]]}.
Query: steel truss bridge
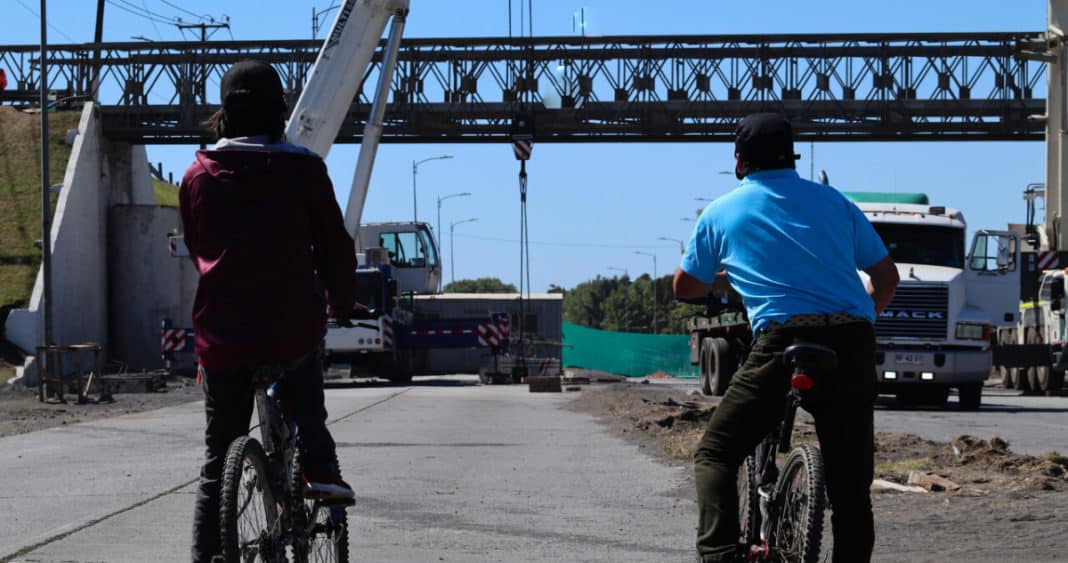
{"points": [[855, 87]]}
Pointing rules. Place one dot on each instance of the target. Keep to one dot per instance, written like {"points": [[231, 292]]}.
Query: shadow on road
{"points": [[417, 381], [990, 405]]}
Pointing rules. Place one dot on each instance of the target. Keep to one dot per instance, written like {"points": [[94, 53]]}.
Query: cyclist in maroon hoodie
{"points": [[268, 240]]}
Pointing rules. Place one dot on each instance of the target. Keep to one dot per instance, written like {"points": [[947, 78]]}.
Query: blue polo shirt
{"points": [[789, 247]]}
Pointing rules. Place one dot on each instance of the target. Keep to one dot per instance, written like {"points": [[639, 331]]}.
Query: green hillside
{"points": [[166, 193], [20, 192], [20, 206]]}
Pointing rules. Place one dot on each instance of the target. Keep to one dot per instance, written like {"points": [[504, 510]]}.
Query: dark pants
{"points": [[754, 404], [229, 399]]}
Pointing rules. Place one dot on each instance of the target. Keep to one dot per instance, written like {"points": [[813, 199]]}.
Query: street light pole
{"points": [[415, 170], [452, 259], [441, 199], [682, 245], [654, 284], [626, 302]]}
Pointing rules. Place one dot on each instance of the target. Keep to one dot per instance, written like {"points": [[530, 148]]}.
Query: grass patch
{"points": [[20, 192], [166, 193], [905, 465], [10, 356], [682, 446]]}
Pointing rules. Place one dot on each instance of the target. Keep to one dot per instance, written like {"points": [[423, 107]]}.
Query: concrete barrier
{"points": [[99, 174]]}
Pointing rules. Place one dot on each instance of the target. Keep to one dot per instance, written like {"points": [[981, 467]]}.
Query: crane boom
{"points": [[332, 84]]}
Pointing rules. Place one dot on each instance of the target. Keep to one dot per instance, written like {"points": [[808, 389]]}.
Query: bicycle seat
{"points": [[265, 373], [811, 355]]}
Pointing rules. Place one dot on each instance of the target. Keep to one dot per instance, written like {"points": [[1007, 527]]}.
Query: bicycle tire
{"points": [[801, 498], [327, 538], [748, 503], [244, 524]]}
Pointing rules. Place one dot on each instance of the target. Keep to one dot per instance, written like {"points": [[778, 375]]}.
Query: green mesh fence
{"points": [[627, 353]]}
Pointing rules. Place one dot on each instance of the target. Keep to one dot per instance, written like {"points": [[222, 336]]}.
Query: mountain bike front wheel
{"points": [[248, 511], [801, 499]]}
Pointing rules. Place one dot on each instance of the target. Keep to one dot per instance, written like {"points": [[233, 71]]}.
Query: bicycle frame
{"points": [[770, 495], [279, 443], [777, 440]]}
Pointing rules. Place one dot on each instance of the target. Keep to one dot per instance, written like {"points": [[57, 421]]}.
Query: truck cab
{"points": [[935, 334]]}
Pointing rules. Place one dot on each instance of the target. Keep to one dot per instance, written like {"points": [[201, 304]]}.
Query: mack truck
{"points": [[936, 333]]}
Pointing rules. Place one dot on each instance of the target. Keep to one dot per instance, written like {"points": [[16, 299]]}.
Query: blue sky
{"points": [[591, 206]]}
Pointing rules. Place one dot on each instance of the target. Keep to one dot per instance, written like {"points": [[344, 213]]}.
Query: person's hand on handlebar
{"points": [[343, 317]]}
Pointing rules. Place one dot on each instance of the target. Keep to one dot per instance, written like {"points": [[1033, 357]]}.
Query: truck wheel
{"points": [[906, 398], [723, 364], [970, 396], [936, 396], [399, 369], [1008, 378], [1040, 380], [1056, 382], [1022, 379], [1037, 376], [706, 358]]}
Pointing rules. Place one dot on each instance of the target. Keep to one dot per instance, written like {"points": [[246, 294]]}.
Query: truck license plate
{"points": [[908, 358]]}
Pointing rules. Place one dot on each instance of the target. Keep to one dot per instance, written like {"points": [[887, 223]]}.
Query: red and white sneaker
{"points": [[327, 487]]}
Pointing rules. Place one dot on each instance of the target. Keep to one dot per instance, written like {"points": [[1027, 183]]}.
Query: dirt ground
{"points": [[1009, 507], [21, 412]]}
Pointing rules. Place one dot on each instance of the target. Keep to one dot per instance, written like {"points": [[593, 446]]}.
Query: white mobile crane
{"points": [[396, 258], [1031, 356]]}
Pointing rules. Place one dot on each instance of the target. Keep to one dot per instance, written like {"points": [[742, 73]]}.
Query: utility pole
{"points": [[46, 214], [654, 285], [98, 38], [203, 78], [204, 27], [626, 302]]}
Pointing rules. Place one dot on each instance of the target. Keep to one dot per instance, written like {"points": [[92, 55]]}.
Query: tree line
{"points": [[616, 303]]}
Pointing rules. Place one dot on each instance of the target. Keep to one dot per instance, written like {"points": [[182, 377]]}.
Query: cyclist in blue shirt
{"points": [[792, 249]]}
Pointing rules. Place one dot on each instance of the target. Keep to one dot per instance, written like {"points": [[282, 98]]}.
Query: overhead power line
{"points": [[181, 9], [141, 12], [50, 26]]}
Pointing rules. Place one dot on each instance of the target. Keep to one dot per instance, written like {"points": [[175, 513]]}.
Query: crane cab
{"points": [[412, 253]]}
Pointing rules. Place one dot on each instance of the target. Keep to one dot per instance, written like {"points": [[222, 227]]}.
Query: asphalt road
{"points": [[444, 471], [1031, 425]]}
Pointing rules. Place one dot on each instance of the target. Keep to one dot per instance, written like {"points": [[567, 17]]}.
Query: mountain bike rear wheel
{"points": [[801, 498], [326, 527], [247, 511], [328, 534], [748, 502]]}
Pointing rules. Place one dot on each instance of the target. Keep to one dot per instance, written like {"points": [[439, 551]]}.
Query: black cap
{"points": [[765, 140], [252, 85]]}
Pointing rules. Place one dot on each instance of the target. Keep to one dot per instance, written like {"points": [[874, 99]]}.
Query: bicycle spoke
{"points": [[799, 520], [327, 531]]}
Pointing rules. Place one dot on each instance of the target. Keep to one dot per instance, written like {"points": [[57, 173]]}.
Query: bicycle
{"points": [[263, 513], [781, 513]]}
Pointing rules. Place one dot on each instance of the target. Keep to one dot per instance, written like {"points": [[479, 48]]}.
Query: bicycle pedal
{"points": [[335, 502]]}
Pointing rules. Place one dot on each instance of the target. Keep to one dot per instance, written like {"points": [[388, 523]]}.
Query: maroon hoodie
{"points": [[266, 235]]}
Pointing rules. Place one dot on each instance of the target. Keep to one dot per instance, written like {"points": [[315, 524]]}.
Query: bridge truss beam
{"points": [[944, 86]]}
